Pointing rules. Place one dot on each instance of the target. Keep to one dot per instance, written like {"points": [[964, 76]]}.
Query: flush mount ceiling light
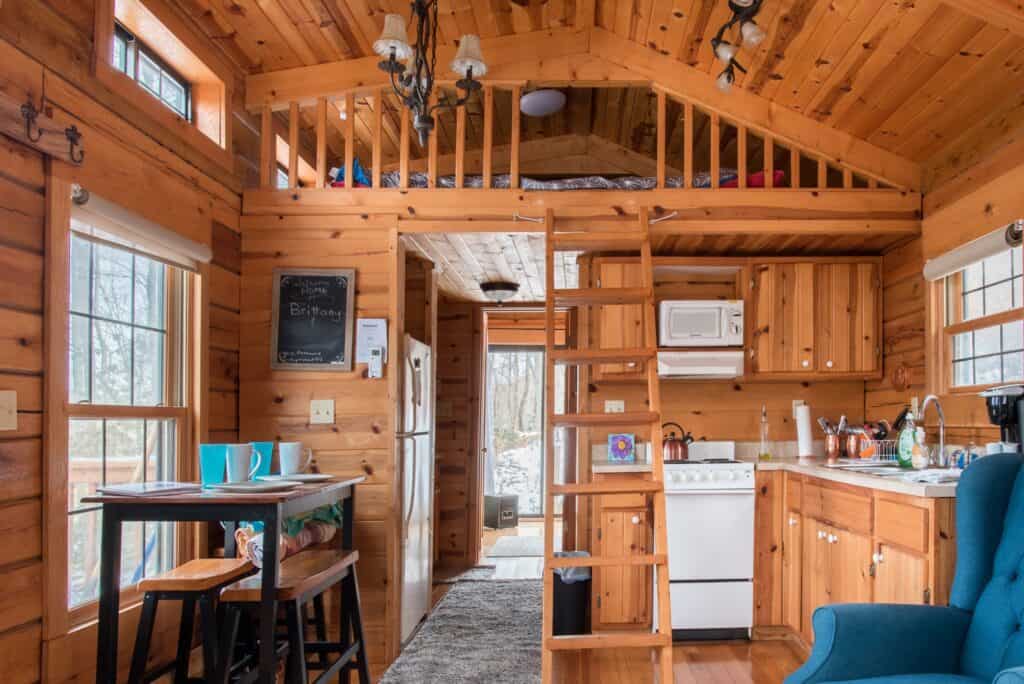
{"points": [[543, 102], [412, 68], [499, 290], [750, 34]]}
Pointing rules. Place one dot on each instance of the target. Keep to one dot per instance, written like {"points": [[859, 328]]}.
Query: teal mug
{"points": [[264, 451], [213, 463]]}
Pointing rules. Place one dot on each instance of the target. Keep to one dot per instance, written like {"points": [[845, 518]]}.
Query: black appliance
{"points": [[1006, 409], [501, 512]]}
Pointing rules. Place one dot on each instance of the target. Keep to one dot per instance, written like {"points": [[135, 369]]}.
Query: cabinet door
{"points": [[622, 594], [782, 340], [619, 326], [814, 573], [847, 300], [900, 576], [792, 543], [849, 567]]}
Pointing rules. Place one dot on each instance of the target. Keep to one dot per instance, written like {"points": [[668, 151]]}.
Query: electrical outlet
{"points": [[321, 412], [8, 410], [614, 406]]}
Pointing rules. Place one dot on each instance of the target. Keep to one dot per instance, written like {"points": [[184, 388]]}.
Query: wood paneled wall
{"points": [[458, 410], [225, 294], [22, 216], [274, 404]]}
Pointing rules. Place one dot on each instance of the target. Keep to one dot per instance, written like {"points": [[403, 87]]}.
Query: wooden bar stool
{"points": [[304, 578], [197, 581]]}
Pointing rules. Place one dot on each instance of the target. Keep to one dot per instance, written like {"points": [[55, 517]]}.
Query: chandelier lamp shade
{"points": [[413, 67], [750, 35]]}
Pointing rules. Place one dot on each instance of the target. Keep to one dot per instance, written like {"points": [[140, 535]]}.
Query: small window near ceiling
{"points": [[984, 327], [137, 61]]}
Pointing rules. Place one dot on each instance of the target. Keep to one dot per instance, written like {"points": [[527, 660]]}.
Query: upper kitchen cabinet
{"points": [[815, 318], [619, 326]]}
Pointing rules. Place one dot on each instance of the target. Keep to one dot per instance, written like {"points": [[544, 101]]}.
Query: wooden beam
{"points": [[460, 146], [515, 133], [293, 145], [321, 142], [488, 142], [350, 139], [1006, 14], [378, 135], [661, 124], [268, 149]]}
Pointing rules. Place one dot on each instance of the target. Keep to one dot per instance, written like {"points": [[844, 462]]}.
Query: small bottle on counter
{"points": [[763, 452], [906, 441], [919, 454]]}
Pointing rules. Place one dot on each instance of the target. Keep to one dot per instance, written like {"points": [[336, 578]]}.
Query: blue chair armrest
{"points": [[1014, 675], [856, 641]]}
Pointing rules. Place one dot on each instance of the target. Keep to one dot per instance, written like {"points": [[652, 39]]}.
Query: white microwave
{"points": [[697, 323]]}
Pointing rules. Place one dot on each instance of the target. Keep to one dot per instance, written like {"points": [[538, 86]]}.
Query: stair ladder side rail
{"points": [[656, 457], [547, 629]]}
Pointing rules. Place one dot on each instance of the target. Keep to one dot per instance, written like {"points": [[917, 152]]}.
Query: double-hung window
{"points": [[127, 420], [137, 61], [983, 329]]}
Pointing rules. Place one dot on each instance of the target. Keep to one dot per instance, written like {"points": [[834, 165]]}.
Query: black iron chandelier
{"points": [[412, 68], [743, 13]]}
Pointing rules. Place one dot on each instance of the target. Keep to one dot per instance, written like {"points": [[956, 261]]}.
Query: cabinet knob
{"points": [[877, 557], [828, 364], [821, 534], [805, 363], [635, 519], [832, 539], [792, 522]]}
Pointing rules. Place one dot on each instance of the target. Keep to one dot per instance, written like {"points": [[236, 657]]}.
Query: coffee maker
{"points": [[1006, 409]]}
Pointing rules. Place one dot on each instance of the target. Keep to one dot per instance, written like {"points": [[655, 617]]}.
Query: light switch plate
{"points": [[321, 411], [8, 410], [614, 406]]}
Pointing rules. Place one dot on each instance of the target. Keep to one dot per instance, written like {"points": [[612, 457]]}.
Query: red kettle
{"points": [[675, 448]]}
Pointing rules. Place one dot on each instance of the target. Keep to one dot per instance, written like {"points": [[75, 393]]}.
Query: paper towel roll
{"points": [[804, 441]]}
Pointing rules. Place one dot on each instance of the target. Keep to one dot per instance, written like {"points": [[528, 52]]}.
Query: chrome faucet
{"points": [[932, 399]]}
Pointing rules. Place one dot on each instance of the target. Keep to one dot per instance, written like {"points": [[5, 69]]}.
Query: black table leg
{"points": [[230, 548], [268, 596], [110, 596]]}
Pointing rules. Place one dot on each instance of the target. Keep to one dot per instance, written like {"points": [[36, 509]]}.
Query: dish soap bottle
{"points": [[763, 453], [906, 442]]}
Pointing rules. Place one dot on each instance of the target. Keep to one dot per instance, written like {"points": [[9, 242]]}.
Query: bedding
{"points": [[728, 178]]}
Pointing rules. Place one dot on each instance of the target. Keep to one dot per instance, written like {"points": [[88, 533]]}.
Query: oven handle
{"points": [[691, 492]]}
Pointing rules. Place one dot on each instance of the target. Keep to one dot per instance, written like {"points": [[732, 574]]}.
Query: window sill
{"points": [[162, 115]]}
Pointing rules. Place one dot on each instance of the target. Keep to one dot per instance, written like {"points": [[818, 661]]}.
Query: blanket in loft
{"points": [[727, 179]]}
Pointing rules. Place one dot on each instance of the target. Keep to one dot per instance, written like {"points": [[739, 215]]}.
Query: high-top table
{"points": [[210, 506]]}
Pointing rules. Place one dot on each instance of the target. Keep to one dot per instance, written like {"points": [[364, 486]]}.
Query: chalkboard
{"points": [[313, 318]]}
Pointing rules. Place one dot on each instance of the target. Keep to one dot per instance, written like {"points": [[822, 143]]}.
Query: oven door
{"points": [[710, 535], [698, 324]]}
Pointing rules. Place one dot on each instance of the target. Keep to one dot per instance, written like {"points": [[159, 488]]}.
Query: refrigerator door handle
{"points": [[412, 497]]}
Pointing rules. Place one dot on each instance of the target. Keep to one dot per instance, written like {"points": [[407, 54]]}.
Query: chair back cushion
{"points": [[995, 639]]}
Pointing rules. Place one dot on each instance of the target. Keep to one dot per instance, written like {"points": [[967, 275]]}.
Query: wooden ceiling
{"points": [[910, 76]]}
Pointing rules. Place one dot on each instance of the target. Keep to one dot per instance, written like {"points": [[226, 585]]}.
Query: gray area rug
{"points": [[517, 547], [481, 573], [479, 632]]}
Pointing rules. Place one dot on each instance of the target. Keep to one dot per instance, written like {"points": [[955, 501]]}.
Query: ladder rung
{"points": [[604, 419], [604, 242], [619, 639], [617, 486], [601, 296], [583, 357], [607, 561]]}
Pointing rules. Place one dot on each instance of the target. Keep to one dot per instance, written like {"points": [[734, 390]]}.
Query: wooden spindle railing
{"points": [[716, 143], [488, 142], [794, 168], [403, 151], [293, 145], [268, 151], [662, 127], [378, 135], [688, 145], [432, 151], [350, 139], [321, 142], [769, 162], [513, 171], [741, 156]]}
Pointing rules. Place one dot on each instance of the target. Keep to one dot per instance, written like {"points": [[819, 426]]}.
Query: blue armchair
{"points": [[977, 639]]}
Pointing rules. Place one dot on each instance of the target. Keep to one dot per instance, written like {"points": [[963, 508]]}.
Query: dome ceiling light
{"points": [[543, 102], [750, 35], [499, 291]]}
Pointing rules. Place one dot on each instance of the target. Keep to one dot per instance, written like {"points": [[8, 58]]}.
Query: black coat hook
{"points": [[29, 113], [74, 140]]}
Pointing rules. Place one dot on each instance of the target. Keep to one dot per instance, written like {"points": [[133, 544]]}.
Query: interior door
{"points": [[815, 573]]}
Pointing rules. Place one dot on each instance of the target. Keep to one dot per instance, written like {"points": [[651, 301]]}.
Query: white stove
{"points": [[710, 516]]}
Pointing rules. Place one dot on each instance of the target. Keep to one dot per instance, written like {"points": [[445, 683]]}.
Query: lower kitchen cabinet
{"points": [[844, 544], [621, 595]]}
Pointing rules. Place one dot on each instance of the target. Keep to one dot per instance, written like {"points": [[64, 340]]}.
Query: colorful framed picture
{"points": [[622, 448]]}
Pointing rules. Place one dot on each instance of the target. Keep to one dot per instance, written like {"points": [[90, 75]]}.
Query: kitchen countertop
{"points": [[606, 467], [817, 468]]}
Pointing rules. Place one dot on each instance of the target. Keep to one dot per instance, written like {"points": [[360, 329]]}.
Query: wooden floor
{"points": [[758, 662]]}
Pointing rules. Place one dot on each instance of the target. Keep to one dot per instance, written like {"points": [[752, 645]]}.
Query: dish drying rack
{"points": [[884, 450]]}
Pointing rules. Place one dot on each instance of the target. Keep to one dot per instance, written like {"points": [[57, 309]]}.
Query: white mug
{"points": [[291, 455], [239, 461]]}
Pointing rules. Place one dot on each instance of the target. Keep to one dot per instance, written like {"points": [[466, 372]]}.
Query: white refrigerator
{"points": [[416, 445]]}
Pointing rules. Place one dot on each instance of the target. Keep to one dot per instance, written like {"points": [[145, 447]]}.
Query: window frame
{"points": [[947, 322], [191, 424], [136, 47]]}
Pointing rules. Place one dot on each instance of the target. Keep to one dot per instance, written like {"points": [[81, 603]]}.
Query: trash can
{"points": [[571, 596]]}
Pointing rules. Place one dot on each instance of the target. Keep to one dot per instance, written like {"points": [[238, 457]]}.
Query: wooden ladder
{"points": [[637, 240]]}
